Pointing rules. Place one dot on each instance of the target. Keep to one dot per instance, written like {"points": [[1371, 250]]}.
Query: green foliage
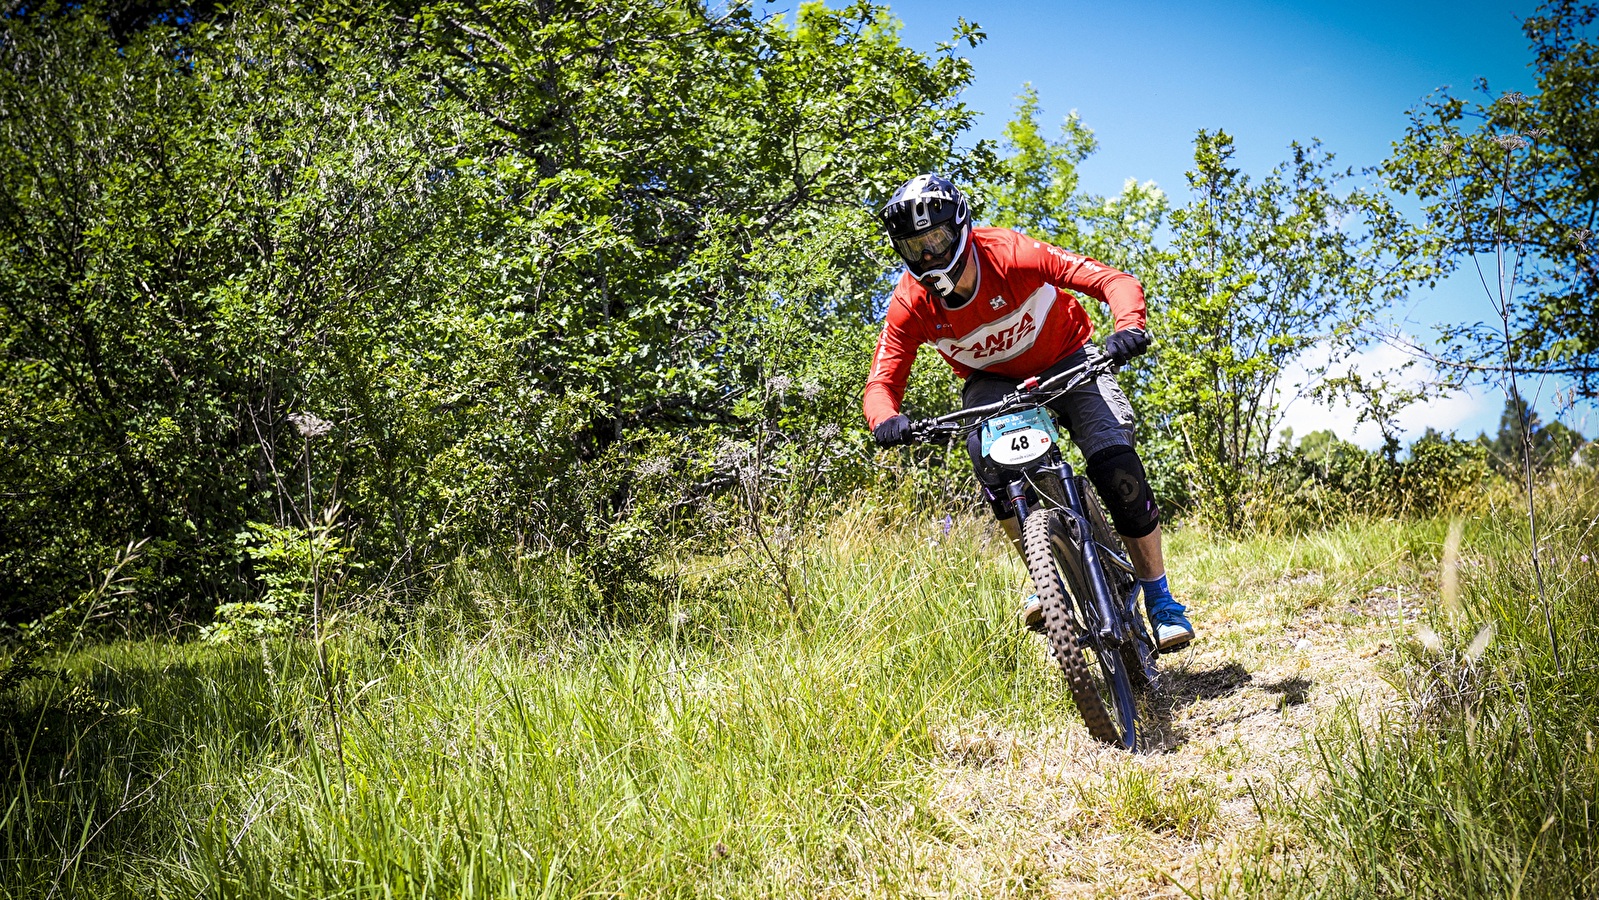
{"points": [[291, 563], [1549, 445], [192, 252], [1515, 172], [1323, 480], [642, 176], [496, 246], [1376, 399], [61, 629], [1440, 474], [1035, 191], [1257, 275]]}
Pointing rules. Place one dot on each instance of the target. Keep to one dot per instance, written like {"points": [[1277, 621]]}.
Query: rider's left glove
{"points": [[891, 431], [1126, 344]]}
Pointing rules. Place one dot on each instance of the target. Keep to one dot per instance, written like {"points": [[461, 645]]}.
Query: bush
{"points": [[1323, 479]]}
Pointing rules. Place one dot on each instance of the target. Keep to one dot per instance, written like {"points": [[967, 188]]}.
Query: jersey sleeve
{"points": [[891, 363], [1119, 290]]}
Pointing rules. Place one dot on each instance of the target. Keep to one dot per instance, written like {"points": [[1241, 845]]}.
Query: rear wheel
{"points": [[1098, 680]]}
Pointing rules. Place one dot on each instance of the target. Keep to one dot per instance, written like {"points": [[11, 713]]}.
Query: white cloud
{"points": [[1459, 410]]}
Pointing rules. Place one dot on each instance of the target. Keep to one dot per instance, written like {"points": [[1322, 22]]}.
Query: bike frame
{"points": [[1112, 627]]}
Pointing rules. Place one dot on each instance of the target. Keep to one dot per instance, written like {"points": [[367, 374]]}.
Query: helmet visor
{"points": [[930, 249]]}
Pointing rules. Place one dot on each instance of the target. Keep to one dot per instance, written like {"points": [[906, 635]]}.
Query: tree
{"points": [[1519, 174], [494, 245], [1376, 399], [1257, 275], [206, 226], [651, 157], [1548, 445], [1035, 191]]}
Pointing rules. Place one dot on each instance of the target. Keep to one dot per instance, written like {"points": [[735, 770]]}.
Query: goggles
{"points": [[929, 249]]}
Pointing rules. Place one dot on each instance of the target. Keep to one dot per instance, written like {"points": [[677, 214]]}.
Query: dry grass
{"points": [[1291, 630]]}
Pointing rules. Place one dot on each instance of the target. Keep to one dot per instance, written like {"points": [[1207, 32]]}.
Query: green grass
{"points": [[897, 736], [726, 748], [1484, 781]]}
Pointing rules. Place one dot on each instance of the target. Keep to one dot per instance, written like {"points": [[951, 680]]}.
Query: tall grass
{"points": [[503, 742], [725, 747], [1485, 784]]}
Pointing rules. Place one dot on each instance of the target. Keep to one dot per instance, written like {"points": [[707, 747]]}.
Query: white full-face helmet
{"points": [[930, 225]]}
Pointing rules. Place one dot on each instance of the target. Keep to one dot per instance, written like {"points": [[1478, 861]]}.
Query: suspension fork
{"points": [[1018, 500], [1111, 627]]}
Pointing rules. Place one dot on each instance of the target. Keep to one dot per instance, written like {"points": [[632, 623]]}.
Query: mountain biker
{"points": [[996, 305]]}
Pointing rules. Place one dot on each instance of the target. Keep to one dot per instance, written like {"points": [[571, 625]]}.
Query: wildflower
{"points": [[730, 453], [1514, 98], [828, 432], [810, 390], [948, 523], [309, 425], [738, 460], [1511, 141], [1447, 149], [1582, 236], [779, 384]]}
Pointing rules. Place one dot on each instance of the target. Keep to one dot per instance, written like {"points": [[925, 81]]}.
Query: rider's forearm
{"points": [[881, 403], [1123, 293], [1125, 296], [891, 366], [1120, 291]]}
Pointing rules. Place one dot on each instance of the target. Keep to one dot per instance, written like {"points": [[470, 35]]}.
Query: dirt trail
{"points": [[1056, 814]]}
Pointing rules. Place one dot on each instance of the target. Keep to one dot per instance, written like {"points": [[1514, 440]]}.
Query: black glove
{"points": [[1126, 344], [891, 431]]}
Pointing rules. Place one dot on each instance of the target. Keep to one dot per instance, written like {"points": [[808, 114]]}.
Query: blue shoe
{"points": [[1172, 629], [1032, 614]]}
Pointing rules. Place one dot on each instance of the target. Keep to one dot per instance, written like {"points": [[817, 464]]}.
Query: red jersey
{"points": [[1020, 322]]}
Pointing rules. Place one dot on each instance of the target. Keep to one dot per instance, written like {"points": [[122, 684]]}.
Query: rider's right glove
{"points": [[891, 431], [1126, 344]]}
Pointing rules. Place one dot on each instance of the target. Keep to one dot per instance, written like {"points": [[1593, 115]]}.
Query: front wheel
{"points": [[1095, 676], [1138, 654]]}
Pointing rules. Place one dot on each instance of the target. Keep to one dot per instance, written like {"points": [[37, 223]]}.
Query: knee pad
{"points": [[1118, 475], [990, 478]]}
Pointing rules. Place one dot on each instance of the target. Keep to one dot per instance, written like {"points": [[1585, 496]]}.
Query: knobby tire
{"points": [[1046, 539]]}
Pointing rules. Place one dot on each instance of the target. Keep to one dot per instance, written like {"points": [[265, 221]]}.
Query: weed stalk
{"points": [[312, 427], [1501, 299]]}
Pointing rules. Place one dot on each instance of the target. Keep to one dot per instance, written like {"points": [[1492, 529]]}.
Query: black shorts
{"points": [[1096, 415]]}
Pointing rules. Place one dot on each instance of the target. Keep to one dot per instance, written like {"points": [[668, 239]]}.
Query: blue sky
{"points": [[1146, 75]]}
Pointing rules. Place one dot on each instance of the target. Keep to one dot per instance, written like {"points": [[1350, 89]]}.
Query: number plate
{"points": [[1020, 437]]}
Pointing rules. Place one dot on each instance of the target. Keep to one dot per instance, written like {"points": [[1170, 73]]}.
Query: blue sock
{"points": [[1157, 597]]}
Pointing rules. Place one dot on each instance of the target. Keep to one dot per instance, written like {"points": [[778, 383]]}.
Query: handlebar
{"points": [[1027, 393]]}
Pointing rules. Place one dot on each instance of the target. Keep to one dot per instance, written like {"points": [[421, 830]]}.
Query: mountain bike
{"points": [[1079, 569]]}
